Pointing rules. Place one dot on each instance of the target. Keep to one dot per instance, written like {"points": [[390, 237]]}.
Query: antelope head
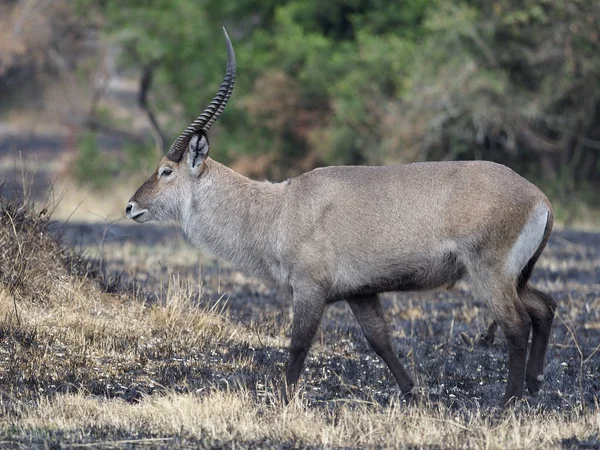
{"points": [[161, 197]]}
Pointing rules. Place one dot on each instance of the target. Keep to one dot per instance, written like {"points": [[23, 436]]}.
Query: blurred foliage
{"points": [[37, 38], [514, 82], [138, 157], [379, 82], [92, 167]]}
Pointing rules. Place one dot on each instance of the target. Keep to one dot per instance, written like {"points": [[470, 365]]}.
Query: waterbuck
{"points": [[350, 233]]}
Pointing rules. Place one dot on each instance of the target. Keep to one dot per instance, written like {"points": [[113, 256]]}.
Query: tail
{"points": [[526, 272]]}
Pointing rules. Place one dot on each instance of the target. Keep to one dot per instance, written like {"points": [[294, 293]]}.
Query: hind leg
{"points": [[516, 324], [540, 307], [500, 293], [369, 314]]}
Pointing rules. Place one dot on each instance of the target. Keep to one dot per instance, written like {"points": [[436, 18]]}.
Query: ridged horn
{"points": [[212, 112]]}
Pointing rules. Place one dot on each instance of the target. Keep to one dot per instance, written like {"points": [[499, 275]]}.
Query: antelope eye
{"points": [[166, 172]]}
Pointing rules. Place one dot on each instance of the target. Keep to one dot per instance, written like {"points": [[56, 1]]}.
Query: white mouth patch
{"points": [[137, 213], [528, 241]]}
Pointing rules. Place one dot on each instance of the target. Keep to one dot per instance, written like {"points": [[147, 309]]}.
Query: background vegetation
{"points": [[378, 82]]}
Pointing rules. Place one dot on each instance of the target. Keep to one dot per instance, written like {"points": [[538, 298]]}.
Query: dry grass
{"points": [[34, 265], [236, 416]]}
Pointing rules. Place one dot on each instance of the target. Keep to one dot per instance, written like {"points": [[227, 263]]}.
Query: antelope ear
{"points": [[198, 152]]}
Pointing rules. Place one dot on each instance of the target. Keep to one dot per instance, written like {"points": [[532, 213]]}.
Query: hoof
{"points": [[534, 384], [487, 339], [412, 397]]}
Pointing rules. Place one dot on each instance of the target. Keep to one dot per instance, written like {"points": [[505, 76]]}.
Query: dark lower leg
{"points": [[540, 307], [517, 336], [369, 314], [307, 317]]}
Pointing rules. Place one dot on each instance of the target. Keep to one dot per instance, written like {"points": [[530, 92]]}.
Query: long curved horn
{"points": [[212, 112]]}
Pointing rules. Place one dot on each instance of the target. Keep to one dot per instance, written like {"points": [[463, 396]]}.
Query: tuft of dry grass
{"points": [[34, 264]]}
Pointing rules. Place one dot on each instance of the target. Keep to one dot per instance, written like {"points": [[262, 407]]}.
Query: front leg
{"points": [[308, 311]]}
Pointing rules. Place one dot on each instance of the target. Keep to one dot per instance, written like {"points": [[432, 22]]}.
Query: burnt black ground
{"points": [[435, 332]]}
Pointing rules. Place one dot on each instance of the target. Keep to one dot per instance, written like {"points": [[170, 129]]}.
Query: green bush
{"points": [[91, 166], [379, 82]]}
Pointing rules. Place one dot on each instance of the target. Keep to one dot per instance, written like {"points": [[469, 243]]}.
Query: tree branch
{"points": [[145, 84], [534, 141]]}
